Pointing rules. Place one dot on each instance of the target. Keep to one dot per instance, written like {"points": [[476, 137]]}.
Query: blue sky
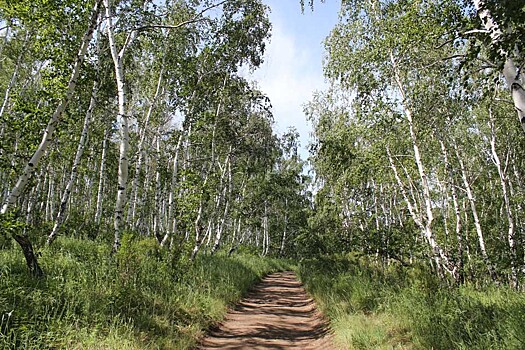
{"points": [[292, 70]]}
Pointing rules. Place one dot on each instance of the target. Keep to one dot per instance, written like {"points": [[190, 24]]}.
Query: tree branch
{"points": [[194, 19], [461, 35]]}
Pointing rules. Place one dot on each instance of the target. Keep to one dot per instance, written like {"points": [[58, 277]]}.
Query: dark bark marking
{"points": [[29, 254]]}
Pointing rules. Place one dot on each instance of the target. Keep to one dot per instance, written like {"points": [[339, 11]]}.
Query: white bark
{"points": [[45, 174], [236, 232], [426, 222], [438, 252], [74, 170], [226, 199], [473, 208], [508, 208], [197, 224], [138, 164], [20, 185], [141, 220], [513, 77], [172, 217], [283, 238], [457, 210], [198, 242], [32, 200], [101, 176], [265, 237], [50, 197], [157, 221], [122, 119], [14, 76]]}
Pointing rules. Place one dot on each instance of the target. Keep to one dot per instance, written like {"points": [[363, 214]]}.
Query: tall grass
{"points": [[400, 308], [142, 298]]}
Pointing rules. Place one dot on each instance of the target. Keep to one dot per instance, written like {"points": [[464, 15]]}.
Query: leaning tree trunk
{"points": [[457, 211], [510, 215], [29, 254], [14, 77], [439, 254], [138, 164], [477, 224], [419, 220], [21, 184], [74, 170]]}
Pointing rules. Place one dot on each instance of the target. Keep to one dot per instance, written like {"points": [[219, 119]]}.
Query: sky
{"points": [[292, 69]]}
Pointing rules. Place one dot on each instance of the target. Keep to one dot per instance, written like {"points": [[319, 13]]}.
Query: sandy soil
{"points": [[277, 315]]}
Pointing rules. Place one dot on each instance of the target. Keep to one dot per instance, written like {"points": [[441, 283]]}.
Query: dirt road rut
{"points": [[277, 315]]}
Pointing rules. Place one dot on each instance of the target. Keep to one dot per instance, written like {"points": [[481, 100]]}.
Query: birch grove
{"points": [[149, 146], [151, 129], [402, 111]]}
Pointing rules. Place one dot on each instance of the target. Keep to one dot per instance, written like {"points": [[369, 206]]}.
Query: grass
{"points": [[400, 308], [142, 298]]}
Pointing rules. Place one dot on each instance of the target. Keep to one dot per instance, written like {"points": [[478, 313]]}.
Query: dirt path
{"points": [[277, 314]]}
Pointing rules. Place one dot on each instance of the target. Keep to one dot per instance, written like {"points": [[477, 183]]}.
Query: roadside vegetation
{"points": [[144, 185], [375, 307], [140, 298]]}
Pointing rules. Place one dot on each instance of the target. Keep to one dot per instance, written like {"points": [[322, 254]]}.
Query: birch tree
{"points": [[506, 46], [74, 170], [408, 91], [18, 189]]}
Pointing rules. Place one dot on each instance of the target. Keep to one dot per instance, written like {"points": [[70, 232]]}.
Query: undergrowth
{"points": [[140, 298], [371, 307]]}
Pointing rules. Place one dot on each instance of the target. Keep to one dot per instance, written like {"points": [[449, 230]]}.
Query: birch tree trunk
{"points": [[265, 237], [198, 242], [472, 202], [157, 220], [440, 256], [122, 119], [172, 218], [457, 211], [513, 75], [101, 177], [508, 208], [20, 185], [141, 220], [74, 170], [14, 76], [226, 199], [49, 199], [32, 198], [198, 235], [22, 181], [283, 238], [138, 164]]}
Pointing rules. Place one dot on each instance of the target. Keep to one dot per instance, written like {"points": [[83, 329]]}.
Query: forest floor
{"points": [[277, 314]]}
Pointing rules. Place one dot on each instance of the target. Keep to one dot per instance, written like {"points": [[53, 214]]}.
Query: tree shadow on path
{"points": [[276, 314]]}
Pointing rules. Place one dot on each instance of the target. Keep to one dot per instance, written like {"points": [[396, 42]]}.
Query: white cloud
{"points": [[289, 76]]}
